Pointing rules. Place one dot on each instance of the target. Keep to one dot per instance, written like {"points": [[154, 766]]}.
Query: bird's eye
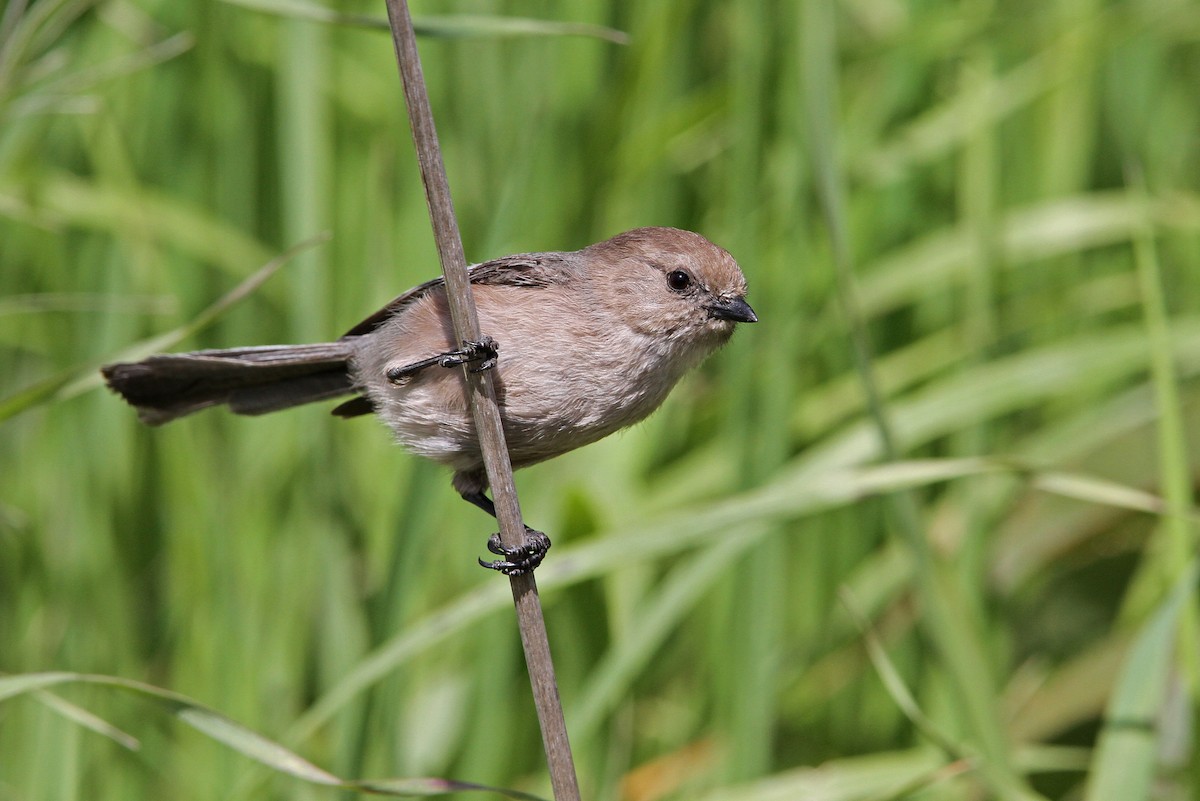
{"points": [[679, 280]]}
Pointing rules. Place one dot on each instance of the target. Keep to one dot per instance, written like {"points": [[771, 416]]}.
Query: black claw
{"points": [[521, 560], [486, 364]]}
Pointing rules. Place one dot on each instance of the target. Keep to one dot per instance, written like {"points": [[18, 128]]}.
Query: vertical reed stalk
{"points": [[482, 396]]}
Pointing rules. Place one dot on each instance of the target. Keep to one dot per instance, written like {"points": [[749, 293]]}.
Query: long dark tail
{"points": [[248, 380]]}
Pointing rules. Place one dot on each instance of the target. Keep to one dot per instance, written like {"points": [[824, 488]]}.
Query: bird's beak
{"points": [[736, 309]]}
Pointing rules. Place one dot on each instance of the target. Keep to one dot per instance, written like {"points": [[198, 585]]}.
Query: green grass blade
{"points": [[246, 742], [657, 617], [1176, 473], [82, 717], [73, 381], [455, 26], [876, 776], [1126, 756]]}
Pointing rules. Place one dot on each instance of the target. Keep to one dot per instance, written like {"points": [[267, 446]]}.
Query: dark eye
{"points": [[678, 280]]}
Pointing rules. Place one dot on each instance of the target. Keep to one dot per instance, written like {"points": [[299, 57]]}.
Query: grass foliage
{"points": [[924, 532]]}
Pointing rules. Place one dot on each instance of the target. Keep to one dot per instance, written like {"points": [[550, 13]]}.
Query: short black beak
{"points": [[736, 309]]}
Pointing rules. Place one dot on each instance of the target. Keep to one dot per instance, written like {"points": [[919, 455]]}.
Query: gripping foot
{"points": [[484, 350], [518, 561]]}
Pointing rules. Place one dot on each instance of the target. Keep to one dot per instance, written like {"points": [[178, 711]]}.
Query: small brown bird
{"points": [[583, 343]]}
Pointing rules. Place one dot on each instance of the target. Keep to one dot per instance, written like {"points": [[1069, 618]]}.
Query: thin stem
{"points": [[482, 396]]}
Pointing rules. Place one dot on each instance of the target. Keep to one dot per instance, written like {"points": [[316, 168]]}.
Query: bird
{"points": [[581, 344]]}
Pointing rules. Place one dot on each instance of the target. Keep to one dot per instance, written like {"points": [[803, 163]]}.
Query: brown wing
{"points": [[392, 308], [526, 269]]}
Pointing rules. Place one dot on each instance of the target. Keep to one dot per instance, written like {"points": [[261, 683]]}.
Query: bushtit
{"points": [[582, 343]]}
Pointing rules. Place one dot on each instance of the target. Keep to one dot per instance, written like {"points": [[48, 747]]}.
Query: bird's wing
{"points": [[528, 270]]}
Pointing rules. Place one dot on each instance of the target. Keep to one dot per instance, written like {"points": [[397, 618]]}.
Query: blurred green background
{"points": [[982, 215]]}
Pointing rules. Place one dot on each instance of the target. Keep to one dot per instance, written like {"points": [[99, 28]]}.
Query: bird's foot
{"points": [[521, 560], [483, 350]]}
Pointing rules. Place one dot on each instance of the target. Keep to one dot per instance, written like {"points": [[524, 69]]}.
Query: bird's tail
{"points": [[248, 380]]}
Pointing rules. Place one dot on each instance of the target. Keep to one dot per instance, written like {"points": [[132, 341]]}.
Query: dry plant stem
{"points": [[482, 396]]}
